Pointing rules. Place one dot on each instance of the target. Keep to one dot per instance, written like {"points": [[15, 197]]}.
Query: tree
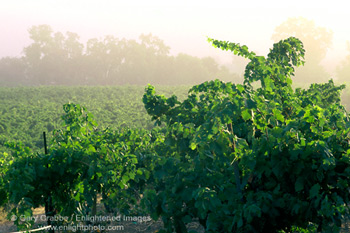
{"points": [[155, 45], [103, 60], [52, 58], [317, 40], [146, 61]]}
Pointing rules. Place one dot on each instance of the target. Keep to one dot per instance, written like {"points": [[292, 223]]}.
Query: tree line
{"points": [[54, 58]]}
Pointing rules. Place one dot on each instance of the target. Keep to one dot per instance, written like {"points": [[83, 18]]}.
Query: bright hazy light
{"points": [[183, 25]]}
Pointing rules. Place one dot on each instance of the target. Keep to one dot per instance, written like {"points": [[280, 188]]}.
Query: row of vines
{"points": [[25, 112], [230, 156]]}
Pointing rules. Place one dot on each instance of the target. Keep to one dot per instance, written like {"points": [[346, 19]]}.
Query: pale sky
{"points": [[183, 24]]}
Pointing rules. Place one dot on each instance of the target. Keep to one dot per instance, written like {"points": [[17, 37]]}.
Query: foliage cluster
{"points": [[233, 157], [82, 163], [253, 160]]}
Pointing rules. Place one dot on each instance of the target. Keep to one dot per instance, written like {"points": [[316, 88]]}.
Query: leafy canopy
{"points": [[242, 159]]}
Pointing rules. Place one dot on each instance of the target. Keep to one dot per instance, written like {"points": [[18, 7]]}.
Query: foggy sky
{"points": [[182, 25]]}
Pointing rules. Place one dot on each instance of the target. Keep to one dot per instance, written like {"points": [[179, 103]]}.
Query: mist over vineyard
{"points": [[260, 144], [55, 58], [59, 58]]}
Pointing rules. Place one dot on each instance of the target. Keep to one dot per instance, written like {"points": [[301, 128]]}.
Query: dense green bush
{"points": [[233, 157], [240, 159], [81, 163]]}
